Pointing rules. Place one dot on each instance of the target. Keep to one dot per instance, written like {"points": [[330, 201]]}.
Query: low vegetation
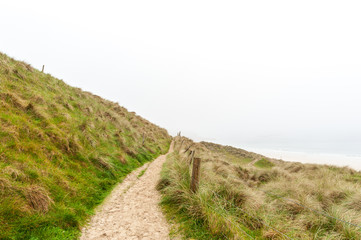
{"points": [[61, 152], [243, 195]]}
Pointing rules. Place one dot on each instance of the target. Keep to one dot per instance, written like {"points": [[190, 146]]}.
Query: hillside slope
{"points": [[61, 151], [244, 195]]}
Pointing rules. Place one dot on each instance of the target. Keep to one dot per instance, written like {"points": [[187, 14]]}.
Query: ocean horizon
{"points": [[350, 159]]}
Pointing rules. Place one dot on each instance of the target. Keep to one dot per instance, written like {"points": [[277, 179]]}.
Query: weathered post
{"points": [[188, 148], [195, 174], [143, 139], [42, 70], [191, 154]]}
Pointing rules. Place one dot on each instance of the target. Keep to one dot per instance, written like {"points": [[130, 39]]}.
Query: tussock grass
{"points": [[244, 195], [38, 198], [61, 152]]}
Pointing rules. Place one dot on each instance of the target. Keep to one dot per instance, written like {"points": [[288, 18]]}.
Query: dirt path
{"points": [[131, 211]]}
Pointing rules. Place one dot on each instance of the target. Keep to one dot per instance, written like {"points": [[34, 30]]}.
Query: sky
{"points": [[266, 74]]}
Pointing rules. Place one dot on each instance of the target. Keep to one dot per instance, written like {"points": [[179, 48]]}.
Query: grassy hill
{"points": [[61, 152], [243, 195]]}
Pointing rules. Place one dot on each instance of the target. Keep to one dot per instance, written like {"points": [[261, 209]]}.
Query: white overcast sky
{"points": [[257, 73]]}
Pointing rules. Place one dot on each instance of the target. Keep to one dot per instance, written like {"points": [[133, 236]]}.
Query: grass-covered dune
{"points": [[243, 195], [61, 152]]}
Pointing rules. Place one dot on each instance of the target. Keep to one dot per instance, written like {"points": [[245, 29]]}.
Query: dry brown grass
{"points": [[102, 162], [15, 174], [264, 191], [4, 184], [271, 234], [14, 100], [122, 159], [38, 198]]}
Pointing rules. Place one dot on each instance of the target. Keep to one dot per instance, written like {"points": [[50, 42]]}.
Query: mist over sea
{"points": [[330, 153]]}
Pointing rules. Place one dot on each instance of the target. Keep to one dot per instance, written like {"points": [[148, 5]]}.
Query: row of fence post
{"points": [[196, 165]]}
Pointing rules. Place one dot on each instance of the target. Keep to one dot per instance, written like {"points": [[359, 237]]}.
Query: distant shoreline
{"points": [[340, 160]]}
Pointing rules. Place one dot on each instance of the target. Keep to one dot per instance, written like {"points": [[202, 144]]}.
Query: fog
{"points": [[265, 74]]}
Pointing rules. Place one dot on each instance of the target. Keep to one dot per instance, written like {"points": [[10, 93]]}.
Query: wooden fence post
{"points": [[191, 154], [42, 70], [188, 147], [143, 139], [195, 174]]}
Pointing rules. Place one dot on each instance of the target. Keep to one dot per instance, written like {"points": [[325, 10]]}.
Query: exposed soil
{"points": [[131, 211]]}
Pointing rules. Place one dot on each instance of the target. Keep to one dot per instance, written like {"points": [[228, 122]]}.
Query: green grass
{"points": [[263, 163], [246, 160], [141, 173], [62, 150], [187, 226], [204, 215], [235, 200]]}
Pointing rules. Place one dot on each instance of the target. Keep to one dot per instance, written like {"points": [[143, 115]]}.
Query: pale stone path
{"points": [[131, 211]]}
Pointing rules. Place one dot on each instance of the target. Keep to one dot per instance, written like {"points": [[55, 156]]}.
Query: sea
{"points": [[336, 154]]}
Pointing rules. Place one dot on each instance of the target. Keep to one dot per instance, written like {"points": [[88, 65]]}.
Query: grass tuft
{"points": [[38, 198], [264, 163]]}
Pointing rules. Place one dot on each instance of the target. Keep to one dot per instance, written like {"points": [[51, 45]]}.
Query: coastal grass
{"points": [[62, 150], [263, 163], [259, 199]]}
